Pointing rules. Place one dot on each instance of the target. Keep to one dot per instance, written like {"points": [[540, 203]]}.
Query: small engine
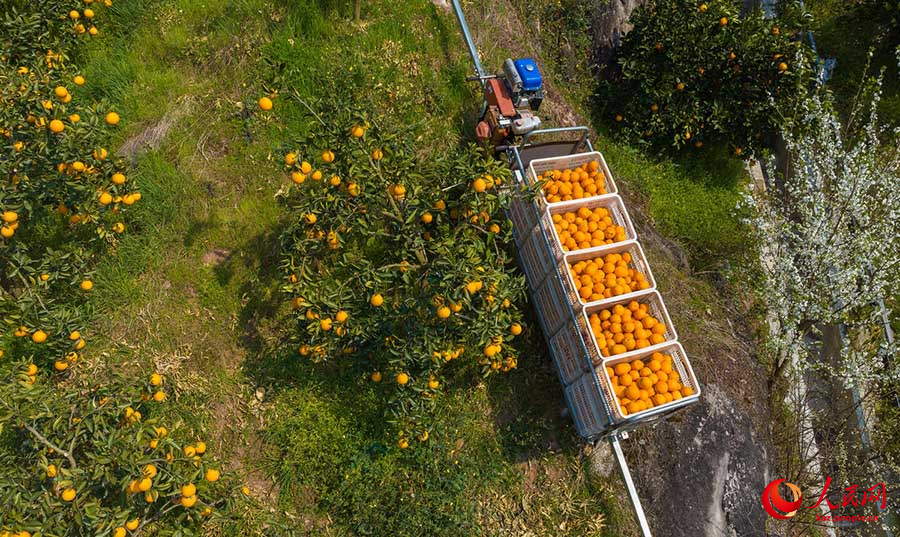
{"points": [[511, 100]]}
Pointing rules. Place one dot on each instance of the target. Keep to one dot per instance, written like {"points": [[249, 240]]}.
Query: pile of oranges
{"points": [[640, 386], [620, 329], [586, 228], [606, 276], [571, 184]]}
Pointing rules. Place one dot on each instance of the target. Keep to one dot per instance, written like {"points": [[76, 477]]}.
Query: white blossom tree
{"points": [[830, 242]]}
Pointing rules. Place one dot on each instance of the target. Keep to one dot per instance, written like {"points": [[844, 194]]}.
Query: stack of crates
{"points": [[564, 314]]}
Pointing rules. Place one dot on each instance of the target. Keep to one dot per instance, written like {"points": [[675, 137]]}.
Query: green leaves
{"points": [[375, 240], [696, 73]]}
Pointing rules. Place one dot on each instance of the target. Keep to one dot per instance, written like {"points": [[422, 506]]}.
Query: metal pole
{"points": [[629, 484], [461, 17]]}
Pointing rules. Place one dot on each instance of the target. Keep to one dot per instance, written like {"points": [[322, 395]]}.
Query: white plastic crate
{"points": [[552, 305], [680, 363], [538, 166], [613, 203], [657, 309], [638, 262], [523, 212], [535, 257], [567, 347], [587, 404]]}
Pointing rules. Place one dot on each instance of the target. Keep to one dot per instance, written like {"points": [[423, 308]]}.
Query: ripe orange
{"points": [[10, 217], [118, 178], [782, 67], [78, 80], [377, 155], [341, 316], [212, 475], [51, 470], [568, 184], [310, 218], [325, 324], [443, 312], [357, 131], [402, 379], [39, 336], [586, 228], [68, 495], [723, 21], [87, 285], [60, 91], [403, 443], [188, 501], [376, 376], [327, 156], [112, 118], [515, 329], [265, 103], [427, 218], [290, 159], [479, 185], [376, 300], [57, 126], [120, 532]]}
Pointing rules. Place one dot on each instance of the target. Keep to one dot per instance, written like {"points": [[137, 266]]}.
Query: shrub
{"points": [[395, 261], [81, 454], [694, 73], [62, 196], [84, 457]]}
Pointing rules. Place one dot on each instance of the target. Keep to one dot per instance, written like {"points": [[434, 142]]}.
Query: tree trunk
{"points": [[356, 8]]}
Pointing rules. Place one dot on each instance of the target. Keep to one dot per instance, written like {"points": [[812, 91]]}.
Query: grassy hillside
{"points": [[193, 292]]}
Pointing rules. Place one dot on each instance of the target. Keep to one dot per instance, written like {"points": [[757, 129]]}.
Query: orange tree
{"points": [[80, 454], [395, 261], [694, 73], [80, 457], [62, 197]]}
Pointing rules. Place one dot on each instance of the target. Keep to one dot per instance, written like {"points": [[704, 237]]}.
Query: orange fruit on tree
{"points": [[376, 300], [57, 126], [402, 379], [264, 103], [112, 118], [376, 376]]}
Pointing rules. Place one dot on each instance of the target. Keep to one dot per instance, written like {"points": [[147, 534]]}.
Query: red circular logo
{"points": [[771, 500]]}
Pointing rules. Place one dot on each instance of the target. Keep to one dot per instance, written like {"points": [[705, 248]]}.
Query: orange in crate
{"points": [[620, 329], [586, 228], [571, 184], [607, 276], [641, 386]]}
